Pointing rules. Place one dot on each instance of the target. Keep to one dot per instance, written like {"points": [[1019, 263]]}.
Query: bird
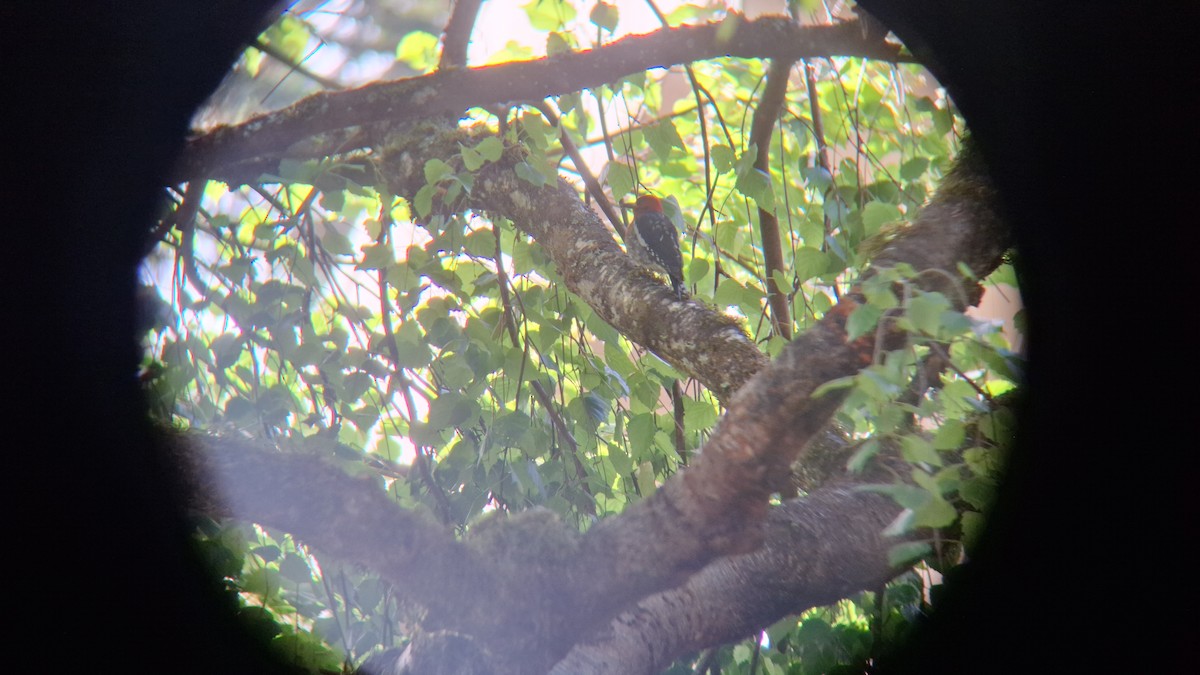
{"points": [[653, 240]]}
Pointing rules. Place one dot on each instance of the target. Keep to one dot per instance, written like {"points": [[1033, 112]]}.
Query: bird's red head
{"points": [[648, 203]]}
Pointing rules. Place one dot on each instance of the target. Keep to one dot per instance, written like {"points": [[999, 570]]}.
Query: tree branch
{"points": [[350, 517], [455, 90], [761, 129], [818, 550], [458, 34]]}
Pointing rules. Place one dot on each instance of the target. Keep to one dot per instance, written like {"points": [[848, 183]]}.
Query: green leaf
{"points": [[641, 430], [333, 200], [836, 211], [605, 16], [917, 449], [663, 137], [756, 185], [226, 349], [908, 553], [411, 349], [858, 461], [436, 170], [375, 257], [472, 158], [527, 173], [452, 192], [558, 43], [953, 323], [423, 201], [978, 492], [354, 386], [418, 50], [727, 28], [862, 321], [294, 568], [818, 178], [875, 214], [722, 157], [620, 179], [935, 513], [538, 131], [979, 460], [972, 529], [925, 311], [490, 148], [511, 427], [927, 482], [549, 14], [879, 293], [264, 582], [809, 263], [833, 385], [597, 408], [914, 168], [950, 435], [645, 479], [337, 243], [296, 171], [621, 462]]}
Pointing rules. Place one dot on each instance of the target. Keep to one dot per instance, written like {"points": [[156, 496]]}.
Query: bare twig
{"points": [[296, 67], [589, 180]]}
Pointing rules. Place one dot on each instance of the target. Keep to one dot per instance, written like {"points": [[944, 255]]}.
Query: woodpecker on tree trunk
{"points": [[653, 240]]}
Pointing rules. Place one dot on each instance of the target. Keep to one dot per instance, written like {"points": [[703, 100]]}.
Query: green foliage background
{"points": [[269, 322]]}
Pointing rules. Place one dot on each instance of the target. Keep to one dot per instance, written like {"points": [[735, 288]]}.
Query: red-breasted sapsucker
{"points": [[654, 241]]}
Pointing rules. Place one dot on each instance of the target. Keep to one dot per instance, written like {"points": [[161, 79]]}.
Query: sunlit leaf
{"points": [[418, 50], [605, 16]]}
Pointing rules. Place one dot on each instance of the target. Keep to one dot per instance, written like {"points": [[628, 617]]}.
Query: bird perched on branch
{"points": [[653, 240]]}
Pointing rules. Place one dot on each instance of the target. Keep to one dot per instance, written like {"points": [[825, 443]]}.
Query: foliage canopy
{"points": [[435, 304]]}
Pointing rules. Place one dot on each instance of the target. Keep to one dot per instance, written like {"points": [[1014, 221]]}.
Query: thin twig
{"points": [[296, 67], [385, 311], [589, 180]]}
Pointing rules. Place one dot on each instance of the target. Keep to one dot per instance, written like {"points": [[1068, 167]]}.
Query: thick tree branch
{"points": [[818, 550], [455, 90], [350, 517]]}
